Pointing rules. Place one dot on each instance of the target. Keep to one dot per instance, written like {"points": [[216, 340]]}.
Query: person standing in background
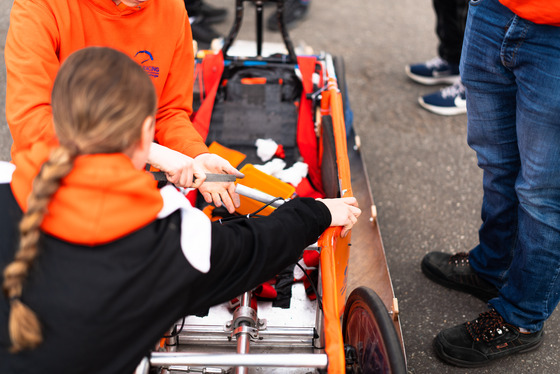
{"points": [[510, 66], [444, 69], [156, 34], [201, 17]]}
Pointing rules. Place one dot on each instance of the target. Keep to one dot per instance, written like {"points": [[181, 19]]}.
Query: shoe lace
{"points": [[487, 326], [453, 91], [435, 62], [461, 258]]}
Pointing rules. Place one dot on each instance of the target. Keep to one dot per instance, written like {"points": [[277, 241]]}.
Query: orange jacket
{"points": [[546, 12], [43, 33]]}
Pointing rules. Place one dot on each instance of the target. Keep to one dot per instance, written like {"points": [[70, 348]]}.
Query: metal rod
{"points": [[234, 28], [243, 338], [242, 349], [319, 341], [284, 31], [331, 71], [259, 26], [258, 195], [272, 336], [270, 330], [303, 360]]}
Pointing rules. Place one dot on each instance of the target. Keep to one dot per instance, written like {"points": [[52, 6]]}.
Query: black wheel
{"points": [[329, 167], [369, 335], [340, 71]]}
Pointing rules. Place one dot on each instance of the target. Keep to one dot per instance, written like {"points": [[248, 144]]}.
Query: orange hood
{"points": [[102, 199]]}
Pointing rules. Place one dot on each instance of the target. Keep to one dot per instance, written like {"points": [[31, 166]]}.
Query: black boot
{"points": [[455, 271], [210, 14], [483, 340], [203, 33]]}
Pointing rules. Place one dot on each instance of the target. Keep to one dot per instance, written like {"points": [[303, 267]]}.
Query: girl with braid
{"points": [[96, 261]]}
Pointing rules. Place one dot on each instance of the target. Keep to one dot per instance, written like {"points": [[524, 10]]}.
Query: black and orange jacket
{"points": [[43, 33], [120, 261]]}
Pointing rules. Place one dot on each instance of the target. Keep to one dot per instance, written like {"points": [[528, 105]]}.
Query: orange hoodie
{"points": [[102, 199], [43, 33], [545, 12]]}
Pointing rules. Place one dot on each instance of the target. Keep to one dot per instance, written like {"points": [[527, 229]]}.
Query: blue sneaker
{"points": [[434, 71], [448, 101]]}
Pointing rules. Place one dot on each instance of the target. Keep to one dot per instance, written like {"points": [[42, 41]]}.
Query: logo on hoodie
{"points": [[145, 59]]}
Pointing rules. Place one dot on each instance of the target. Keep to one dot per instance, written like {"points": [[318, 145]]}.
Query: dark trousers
{"points": [[451, 16], [193, 7]]}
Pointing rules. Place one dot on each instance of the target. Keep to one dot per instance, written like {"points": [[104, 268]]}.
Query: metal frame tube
{"points": [[258, 195], [259, 26], [272, 336], [303, 360], [243, 338]]}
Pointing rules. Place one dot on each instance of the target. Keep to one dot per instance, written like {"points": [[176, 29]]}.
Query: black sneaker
{"points": [[454, 271], [209, 13], [294, 12], [213, 14], [483, 340], [202, 32]]}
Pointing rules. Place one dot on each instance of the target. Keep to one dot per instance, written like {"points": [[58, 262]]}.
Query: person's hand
{"points": [[344, 212], [179, 168], [219, 192]]}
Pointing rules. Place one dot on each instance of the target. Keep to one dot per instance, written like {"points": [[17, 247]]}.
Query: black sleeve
{"points": [[247, 252], [10, 215]]}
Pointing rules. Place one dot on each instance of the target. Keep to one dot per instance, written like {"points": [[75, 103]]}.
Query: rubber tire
{"points": [[329, 167], [368, 327], [340, 71]]}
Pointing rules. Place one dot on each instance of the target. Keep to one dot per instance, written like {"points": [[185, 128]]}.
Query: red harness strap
{"points": [[306, 137], [212, 69]]}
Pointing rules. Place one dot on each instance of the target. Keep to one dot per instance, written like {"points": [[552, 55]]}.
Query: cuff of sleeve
{"points": [[323, 215]]}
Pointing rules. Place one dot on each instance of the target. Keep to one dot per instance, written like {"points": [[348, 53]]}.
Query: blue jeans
{"points": [[511, 70]]}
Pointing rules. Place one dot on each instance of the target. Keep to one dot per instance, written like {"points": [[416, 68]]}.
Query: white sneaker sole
{"points": [[443, 111]]}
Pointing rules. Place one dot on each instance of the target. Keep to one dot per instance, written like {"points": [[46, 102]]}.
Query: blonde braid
{"points": [[24, 326]]}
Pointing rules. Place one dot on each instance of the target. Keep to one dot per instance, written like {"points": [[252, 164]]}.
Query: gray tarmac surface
{"points": [[424, 177]]}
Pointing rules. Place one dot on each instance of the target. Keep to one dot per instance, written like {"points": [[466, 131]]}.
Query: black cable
{"points": [[267, 204], [251, 215], [319, 299], [176, 333]]}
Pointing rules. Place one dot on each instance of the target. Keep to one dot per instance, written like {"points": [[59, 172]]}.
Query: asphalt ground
{"points": [[424, 177]]}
